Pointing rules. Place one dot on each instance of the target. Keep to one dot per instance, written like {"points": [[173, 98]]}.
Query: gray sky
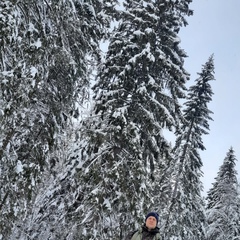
{"points": [[214, 29]]}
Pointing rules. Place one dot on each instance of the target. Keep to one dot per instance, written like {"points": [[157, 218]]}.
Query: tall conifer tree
{"points": [[135, 98], [223, 214], [186, 218], [44, 74]]}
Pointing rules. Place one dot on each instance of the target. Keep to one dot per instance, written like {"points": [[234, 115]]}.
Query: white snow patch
{"points": [[19, 167], [7, 73], [37, 44], [33, 71], [107, 203]]}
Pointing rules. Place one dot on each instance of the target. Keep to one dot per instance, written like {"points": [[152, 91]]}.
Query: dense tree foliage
{"points": [[67, 172], [135, 98], [44, 70], [223, 214]]}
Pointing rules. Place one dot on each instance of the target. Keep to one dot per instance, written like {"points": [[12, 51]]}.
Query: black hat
{"points": [[153, 214]]}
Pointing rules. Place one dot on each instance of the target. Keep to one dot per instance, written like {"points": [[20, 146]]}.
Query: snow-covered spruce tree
{"points": [[223, 205], [136, 97], [172, 18], [45, 49], [186, 216]]}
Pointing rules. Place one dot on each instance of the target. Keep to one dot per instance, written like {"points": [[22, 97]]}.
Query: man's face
{"points": [[151, 222]]}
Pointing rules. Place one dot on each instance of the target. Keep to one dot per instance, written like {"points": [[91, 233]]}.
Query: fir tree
{"points": [[135, 98], [46, 49], [186, 218], [223, 215]]}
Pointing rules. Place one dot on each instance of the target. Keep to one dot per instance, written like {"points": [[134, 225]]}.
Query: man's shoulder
{"points": [[155, 232], [130, 235], [158, 236]]}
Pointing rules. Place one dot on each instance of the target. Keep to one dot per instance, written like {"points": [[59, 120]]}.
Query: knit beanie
{"points": [[153, 214]]}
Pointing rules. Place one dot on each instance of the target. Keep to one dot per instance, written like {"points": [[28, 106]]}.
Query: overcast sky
{"points": [[214, 29]]}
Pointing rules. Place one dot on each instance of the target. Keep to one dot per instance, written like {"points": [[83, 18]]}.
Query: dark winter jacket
{"points": [[144, 234]]}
